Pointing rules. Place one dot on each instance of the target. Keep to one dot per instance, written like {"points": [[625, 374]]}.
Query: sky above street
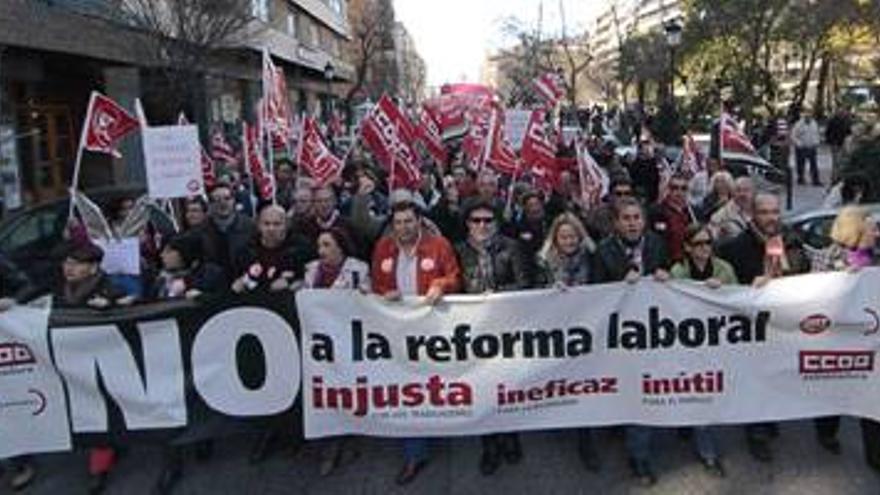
{"points": [[454, 36]]}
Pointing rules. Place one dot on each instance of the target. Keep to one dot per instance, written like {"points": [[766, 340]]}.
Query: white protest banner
{"points": [[658, 354], [516, 122], [172, 157], [32, 398], [121, 257]]}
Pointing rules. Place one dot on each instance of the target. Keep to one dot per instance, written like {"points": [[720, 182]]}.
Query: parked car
{"points": [[814, 227], [32, 237]]}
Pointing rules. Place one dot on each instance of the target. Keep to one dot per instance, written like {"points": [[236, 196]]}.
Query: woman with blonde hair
{"points": [[566, 260], [854, 235], [567, 254]]}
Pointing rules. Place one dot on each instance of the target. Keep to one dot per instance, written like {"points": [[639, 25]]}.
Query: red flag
{"points": [[449, 113], [537, 148], [275, 105], [106, 123], [690, 161], [550, 87], [732, 138], [593, 178], [314, 156], [221, 150], [253, 152], [430, 137], [390, 136], [467, 89], [501, 155], [335, 125], [479, 118]]}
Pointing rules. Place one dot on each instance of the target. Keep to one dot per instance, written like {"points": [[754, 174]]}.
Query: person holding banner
{"points": [[15, 288], [758, 254], [854, 234], [227, 232], [566, 260], [184, 272], [274, 261], [490, 262], [701, 265], [336, 268], [85, 285], [409, 262], [629, 254]]}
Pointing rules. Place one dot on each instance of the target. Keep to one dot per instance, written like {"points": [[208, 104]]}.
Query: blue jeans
{"points": [[704, 442], [638, 442], [415, 449]]}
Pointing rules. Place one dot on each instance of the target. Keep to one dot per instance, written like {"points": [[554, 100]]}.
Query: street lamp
{"points": [[329, 73], [672, 28]]}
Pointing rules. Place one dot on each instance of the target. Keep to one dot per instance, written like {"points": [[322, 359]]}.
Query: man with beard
{"points": [[490, 262], [629, 254], [758, 254], [413, 262]]}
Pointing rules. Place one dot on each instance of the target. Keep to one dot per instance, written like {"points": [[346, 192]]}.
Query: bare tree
{"points": [[576, 56], [182, 37], [371, 22]]}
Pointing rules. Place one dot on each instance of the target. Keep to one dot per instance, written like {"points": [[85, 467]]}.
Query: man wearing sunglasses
{"points": [[491, 262], [600, 221]]}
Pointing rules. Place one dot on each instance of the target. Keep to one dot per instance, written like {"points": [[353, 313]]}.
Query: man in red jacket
{"points": [[413, 262]]}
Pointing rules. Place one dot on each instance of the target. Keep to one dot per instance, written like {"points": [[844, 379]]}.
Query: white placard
{"points": [[515, 124], [172, 154], [121, 257]]}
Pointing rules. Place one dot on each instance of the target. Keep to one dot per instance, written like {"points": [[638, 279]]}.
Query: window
{"points": [[291, 24], [260, 9]]}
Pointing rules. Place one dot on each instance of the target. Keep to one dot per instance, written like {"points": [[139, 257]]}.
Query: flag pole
{"points": [[74, 182]]}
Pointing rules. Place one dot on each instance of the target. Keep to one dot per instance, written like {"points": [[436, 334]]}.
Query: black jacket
{"points": [[223, 248], [645, 175], [14, 283], [508, 269], [746, 253], [612, 264]]}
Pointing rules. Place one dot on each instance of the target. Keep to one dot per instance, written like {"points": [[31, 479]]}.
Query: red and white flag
{"points": [[430, 136], [207, 164], [500, 154], [253, 153], [390, 136], [275, 112], [733, 139], [314, 156], [449, 112], [690, 161], [221, 150], [479, 117], [335, 126], [538, 150], [593, 178], [106, 123], [550, 87]]}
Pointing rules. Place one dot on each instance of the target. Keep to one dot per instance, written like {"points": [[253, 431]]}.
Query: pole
{"points": [[74, 183]]}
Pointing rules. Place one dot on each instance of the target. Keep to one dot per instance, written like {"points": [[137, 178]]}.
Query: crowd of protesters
{"points": [[459, 233]]}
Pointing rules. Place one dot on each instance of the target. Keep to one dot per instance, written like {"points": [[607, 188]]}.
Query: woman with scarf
{"points": [[184, 272], [700, 264], [854, 234], [85, 285], [336, 268], [566, 260]]}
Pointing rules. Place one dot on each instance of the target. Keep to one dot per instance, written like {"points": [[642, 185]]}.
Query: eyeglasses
{"points": [[483, 220]]}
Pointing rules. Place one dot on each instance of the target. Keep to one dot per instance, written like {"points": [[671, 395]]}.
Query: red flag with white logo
{"points": [[479, 117], [314, 156], [538, 150], [106, 123], [690, 161], [733, 139], [550, 87], [593, 178], [430, 136], [221, 150], [253, 153], [501, 155], [390, 136]]}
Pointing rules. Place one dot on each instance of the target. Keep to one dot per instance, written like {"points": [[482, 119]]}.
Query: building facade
{"points": [[54, 53]]}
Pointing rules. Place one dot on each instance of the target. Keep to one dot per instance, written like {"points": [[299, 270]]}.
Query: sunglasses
{"points": [[483, 220]]}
